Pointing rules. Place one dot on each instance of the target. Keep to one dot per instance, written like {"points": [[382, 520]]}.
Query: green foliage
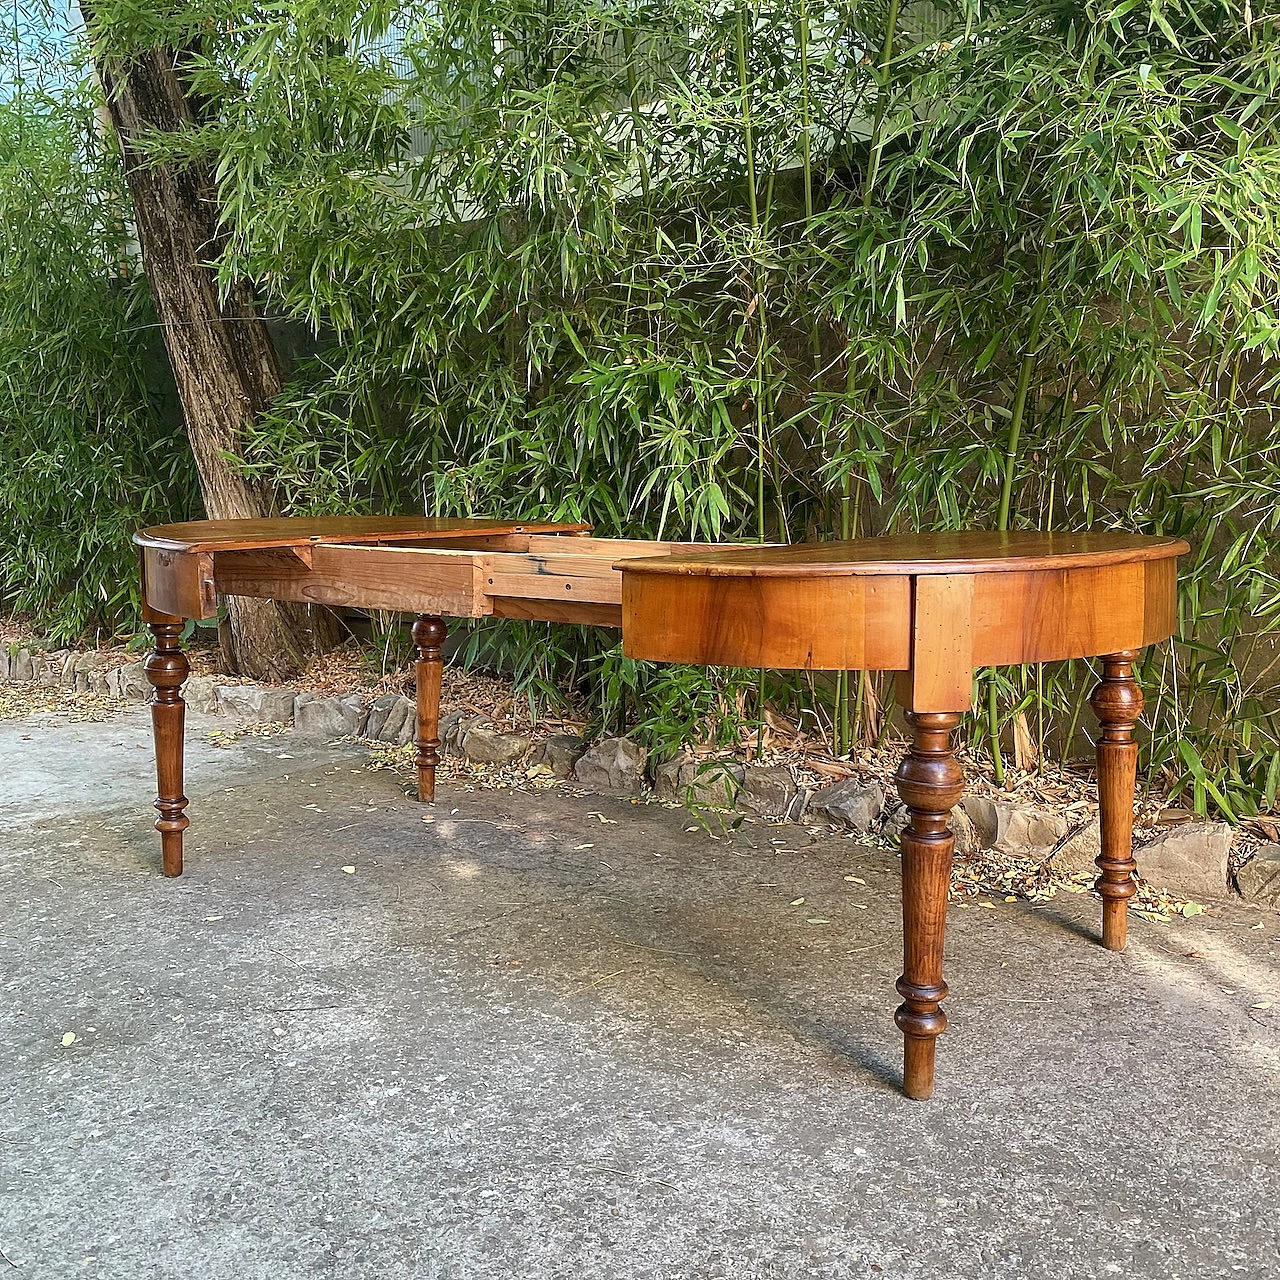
{"points": [[1114, 176], [86, 457], [708, 270]]}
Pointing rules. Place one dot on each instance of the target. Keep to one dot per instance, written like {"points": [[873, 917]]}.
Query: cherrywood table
{"points": [[930, 607]]}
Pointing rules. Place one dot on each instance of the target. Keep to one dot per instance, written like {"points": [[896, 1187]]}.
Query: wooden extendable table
{"points": [[930, 607]]}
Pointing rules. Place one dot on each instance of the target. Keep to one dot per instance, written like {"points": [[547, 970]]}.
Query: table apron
{"points": [[940, 627]]}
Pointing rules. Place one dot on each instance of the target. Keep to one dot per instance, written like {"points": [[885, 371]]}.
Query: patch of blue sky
{"points": [[37, 37]]}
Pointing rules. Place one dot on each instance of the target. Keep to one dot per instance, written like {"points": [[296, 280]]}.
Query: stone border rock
{"points": [[1259, 879], [1190, 859]]}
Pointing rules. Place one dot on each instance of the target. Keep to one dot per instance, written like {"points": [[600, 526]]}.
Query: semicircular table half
{"points": [[931, 607]]}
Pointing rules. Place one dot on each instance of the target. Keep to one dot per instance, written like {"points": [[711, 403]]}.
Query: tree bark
{"points": [[223, 358]]}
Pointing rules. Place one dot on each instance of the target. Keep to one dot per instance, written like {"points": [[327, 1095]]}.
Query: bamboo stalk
{"points": [[844, 691], [882, 103], [633, 94]]}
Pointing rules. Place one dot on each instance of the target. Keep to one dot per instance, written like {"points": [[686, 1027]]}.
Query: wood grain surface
{"points": [[918, 553], [812, 623], [230, 535], [940, 627], [436, 582]]}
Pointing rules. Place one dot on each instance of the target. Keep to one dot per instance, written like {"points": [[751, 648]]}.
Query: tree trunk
{"points": [[223, 358]]}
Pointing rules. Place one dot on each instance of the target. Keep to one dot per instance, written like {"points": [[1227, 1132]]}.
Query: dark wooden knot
{"points": [[930, 779], [1117, 701], [429, 637], [921, 993], [171, 816], [919, 1015], [166, 666], [166, 670], [1116, 881]]}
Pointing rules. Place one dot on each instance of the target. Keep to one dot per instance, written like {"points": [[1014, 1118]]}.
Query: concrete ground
{"points": [[550, 1037]]}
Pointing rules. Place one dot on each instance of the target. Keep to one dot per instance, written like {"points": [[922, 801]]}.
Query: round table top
{"points": [[918, 553]]}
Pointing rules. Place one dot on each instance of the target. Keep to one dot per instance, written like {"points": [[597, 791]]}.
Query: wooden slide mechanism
{"points": [[433, 568], [932, 608]]}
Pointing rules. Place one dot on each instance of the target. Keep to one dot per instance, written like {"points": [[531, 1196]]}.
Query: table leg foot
{"points": [[428, 636], [1117, 702], [930, 782], [167, 668]]}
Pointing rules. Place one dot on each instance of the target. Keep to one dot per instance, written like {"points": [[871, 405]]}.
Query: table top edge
{"points": [[292, 531], [791, 562]]}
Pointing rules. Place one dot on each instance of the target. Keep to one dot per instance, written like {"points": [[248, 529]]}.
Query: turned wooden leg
{"points": [[930, 782], [428, 636], [1117, 702], [167, 668]]}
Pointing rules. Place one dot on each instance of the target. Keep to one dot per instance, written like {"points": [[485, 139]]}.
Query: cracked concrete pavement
{"points": [[549, 1036]]}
